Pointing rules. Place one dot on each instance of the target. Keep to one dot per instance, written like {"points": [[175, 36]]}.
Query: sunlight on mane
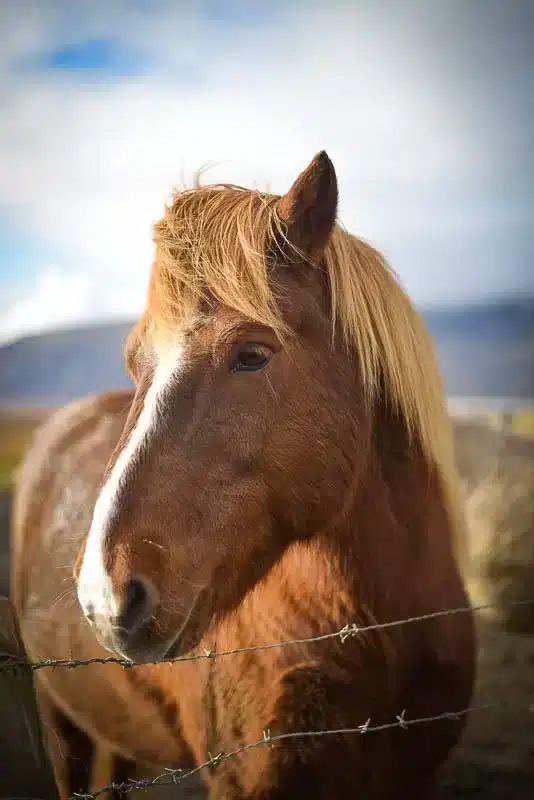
{"points": [[213, 242]]}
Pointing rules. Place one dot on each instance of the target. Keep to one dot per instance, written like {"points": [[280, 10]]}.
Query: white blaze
{"points": [[95, 590]]}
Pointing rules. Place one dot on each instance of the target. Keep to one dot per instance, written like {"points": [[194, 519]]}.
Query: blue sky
{"points": [[97, 57], [425, 109]]}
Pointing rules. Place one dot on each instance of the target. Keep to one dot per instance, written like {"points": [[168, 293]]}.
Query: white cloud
{"points": [[55, 299], [87, 168]]}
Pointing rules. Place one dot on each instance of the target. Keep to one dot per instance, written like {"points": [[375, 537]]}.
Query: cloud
{"points": [[86, 163], [54, 300]]}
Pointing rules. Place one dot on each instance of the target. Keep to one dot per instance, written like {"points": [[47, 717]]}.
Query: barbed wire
{"points": [[348, 631], [173, 777]]}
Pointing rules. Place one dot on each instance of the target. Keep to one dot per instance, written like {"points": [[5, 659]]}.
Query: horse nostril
{"points": [[137, 608]]}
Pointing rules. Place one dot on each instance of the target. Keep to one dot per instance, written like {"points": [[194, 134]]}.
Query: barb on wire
{"points": [[174, 776], [348, 631]]}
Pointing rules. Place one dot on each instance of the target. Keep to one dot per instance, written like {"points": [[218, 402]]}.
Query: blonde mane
{"points": [[213, 243]]}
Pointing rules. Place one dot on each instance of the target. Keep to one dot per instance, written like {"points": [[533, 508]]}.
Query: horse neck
{"points": [[372, 565]]}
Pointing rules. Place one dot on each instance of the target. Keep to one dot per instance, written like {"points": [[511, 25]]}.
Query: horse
{"points": [[282, 470]]}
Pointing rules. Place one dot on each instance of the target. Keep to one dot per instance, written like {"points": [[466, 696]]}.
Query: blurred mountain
{"points": [[484, 351], [50, 369]]}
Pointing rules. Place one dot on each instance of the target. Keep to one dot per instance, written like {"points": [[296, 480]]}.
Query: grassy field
{"points": [[522, 422], [16, 431]]}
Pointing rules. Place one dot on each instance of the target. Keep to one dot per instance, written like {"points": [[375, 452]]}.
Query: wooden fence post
{"points": [[25, 769]]}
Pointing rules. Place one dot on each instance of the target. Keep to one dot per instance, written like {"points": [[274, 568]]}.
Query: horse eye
{"points": [[250, 358]]}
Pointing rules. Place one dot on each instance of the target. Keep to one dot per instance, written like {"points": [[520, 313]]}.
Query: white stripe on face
{"points": [[95, 590]]}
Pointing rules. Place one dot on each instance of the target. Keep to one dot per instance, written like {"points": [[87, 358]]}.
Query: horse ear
{"points": [[308, 210]]}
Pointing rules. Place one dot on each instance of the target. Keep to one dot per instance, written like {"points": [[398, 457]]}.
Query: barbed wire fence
{"points": [[348, 631], [175, 776]]}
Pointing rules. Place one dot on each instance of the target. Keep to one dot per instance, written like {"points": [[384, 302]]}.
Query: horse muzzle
{"points": [[130, 632]]}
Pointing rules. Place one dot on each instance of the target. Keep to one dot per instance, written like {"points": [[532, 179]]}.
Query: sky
{"points": [[425, 107]]}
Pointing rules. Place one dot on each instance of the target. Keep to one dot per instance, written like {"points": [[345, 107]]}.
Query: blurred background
{"points": [[425, 107]]}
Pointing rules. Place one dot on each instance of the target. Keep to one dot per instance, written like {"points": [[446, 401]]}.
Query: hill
{"points": [[53, 368], [487, 350], [484, 351]]}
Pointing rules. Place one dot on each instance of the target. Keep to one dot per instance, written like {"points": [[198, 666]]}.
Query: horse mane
{"points": [[213, 242]]}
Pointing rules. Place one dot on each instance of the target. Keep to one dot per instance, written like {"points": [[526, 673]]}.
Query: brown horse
{"points": [[285, 467]]}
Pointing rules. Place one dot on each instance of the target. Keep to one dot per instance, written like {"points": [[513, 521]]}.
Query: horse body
{"points": [[316, 589], [268, 482]]}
